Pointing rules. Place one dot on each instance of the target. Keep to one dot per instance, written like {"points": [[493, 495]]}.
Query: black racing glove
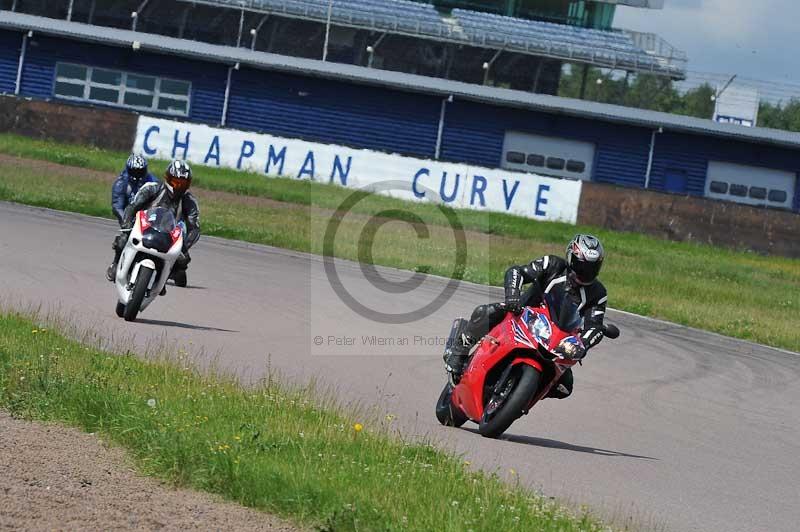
{"points": [[592, 336], [514, 304], [513, 286]]}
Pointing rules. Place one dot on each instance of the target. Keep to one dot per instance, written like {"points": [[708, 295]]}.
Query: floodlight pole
{"points": [[718, 93], [650, 156], [254, 31], [372, 48], [327, 31], [728, 84], [135, 14], [226, 102], [20, 66], [488, 66], [241, 27], [440, 134], [69, 10]]}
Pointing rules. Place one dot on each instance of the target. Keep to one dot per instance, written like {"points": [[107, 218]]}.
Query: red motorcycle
{"points": [[516, 365]]}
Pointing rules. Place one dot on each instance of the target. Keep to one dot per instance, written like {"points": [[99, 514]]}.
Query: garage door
{"points": [[750, 184], [552, 156]]}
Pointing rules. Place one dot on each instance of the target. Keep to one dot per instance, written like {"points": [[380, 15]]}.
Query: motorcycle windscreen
{"points": [[563, 310], [160, 219]]}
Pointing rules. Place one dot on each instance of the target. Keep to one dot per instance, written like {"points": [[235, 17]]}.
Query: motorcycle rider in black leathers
{"points": [[577, 275], [173, 194]]}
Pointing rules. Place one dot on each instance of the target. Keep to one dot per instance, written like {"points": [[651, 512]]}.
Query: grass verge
{"points": [[733, 293], [265, 447]]}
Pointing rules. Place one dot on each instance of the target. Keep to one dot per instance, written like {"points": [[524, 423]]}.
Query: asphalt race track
{"points": [[680, 429]]}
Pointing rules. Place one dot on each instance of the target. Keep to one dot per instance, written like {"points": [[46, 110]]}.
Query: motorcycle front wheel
{"points": [[506, 406], [139, 291]]}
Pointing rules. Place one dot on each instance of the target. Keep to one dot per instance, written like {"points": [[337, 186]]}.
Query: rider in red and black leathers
{"points": [[578, 279]]}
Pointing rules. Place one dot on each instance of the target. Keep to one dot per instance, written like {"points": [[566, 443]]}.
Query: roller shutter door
{"points": [[752, 185], [551, 156]]}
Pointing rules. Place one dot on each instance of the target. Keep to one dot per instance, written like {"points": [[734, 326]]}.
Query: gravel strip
{"points": [[55, 478]]}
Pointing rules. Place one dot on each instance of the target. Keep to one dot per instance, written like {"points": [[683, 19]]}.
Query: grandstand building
{"points": [[257, 65], [517, 44]]}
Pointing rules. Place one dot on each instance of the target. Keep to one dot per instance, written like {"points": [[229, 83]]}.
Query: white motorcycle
{"points": [[154, 244]]}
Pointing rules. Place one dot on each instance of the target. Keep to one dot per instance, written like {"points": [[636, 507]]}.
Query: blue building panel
{"points": [[334, 112], [797, 194], [10, 45], [475, 132], [692, 153], [208, 80]]}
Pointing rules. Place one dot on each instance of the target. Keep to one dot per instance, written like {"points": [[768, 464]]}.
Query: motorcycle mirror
{"points": [[611, 331]]}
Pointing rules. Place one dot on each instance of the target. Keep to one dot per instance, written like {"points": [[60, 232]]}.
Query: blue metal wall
{"points": [[691, 154], [334, 112], [208, 80], [475, 132], [390, 120], [10, 44]]}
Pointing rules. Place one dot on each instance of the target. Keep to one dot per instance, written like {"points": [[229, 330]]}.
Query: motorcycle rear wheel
{"points": [[448, 414], [139, 291], [120, 310], [525, 383]]}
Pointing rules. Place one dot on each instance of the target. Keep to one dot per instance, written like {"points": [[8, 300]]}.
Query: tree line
{"points": [[656, 93]]}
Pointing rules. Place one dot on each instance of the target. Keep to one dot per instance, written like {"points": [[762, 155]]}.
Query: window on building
{"points": [[778, 196], [535, 160], [738, 190], [577, 167], [758, 193], [515, 157], [123, 89], [555, 163], [718, 187]]}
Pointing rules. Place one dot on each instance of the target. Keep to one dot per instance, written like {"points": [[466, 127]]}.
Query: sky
{"points": [[757, 39]]}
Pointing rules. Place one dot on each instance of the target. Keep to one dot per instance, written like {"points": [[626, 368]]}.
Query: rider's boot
{"points": [[457, 351], [563, 387], [111, 272]]}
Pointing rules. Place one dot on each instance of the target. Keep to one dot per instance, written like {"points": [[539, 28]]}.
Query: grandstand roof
{"points": [[396, 80], [610, 49]]}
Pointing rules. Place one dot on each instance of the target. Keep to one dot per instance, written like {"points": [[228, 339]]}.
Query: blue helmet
{"points": [[137, 168]]}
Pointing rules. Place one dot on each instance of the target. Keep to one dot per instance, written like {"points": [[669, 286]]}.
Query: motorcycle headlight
{"points": [[540, 328], [571, 348]]}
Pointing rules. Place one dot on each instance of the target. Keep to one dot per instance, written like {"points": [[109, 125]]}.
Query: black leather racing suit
{"points": [[184, 207], [546, 272]]}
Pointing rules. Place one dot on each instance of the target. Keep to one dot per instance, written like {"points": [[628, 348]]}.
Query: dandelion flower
{"points": [[358, 427], [151, 403]]}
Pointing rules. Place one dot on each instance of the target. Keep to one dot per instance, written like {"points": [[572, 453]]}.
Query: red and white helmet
{"points": [[178, 177], [585, 256]]}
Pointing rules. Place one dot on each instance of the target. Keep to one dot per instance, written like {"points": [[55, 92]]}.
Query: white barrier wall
{"points": [[456, 185]]}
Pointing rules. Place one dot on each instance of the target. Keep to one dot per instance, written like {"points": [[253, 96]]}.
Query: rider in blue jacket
{"points": [[133, 177]]}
